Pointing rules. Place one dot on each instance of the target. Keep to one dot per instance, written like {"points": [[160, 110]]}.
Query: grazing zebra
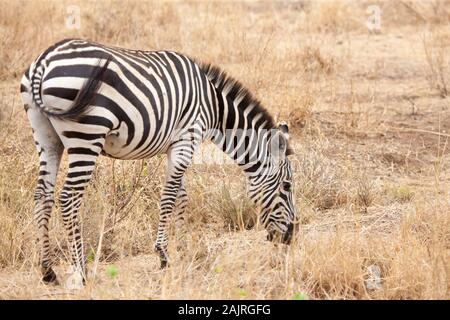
{"points": [[92, 99]]}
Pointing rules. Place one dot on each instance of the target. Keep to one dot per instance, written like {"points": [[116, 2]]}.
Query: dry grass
{"points": [[369, 117]]}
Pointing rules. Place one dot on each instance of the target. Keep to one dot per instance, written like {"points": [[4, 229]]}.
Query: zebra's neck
{"points": [[243, 132], [241, 126]]}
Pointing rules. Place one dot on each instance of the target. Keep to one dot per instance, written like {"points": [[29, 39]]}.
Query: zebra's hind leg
{"points": [[50, 149], [81, 165], [179, 159], [82, 150]]}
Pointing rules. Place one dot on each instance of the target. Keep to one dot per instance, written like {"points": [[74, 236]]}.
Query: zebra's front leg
{"points": [[180, 209], [81, 165], [179, 159], [180, 218]]}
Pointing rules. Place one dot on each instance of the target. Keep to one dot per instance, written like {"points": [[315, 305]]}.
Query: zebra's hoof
{"points": [[162, 256], [164, 264], [49, 277]]}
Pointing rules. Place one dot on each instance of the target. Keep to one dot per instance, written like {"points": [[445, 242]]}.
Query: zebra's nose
{"points": [[287, 236]]}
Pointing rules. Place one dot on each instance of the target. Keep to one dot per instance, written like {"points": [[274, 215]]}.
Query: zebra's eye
{"points": [[287, 186]]}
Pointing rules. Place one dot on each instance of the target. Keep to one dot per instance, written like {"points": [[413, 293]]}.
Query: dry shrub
{"points": [[398, 192], [12, 244], [125, 194], [323, 183], [238, 213], [319, 180], [138, 32], [436, 47], [314, 61], [334, 275], [334, 16], [419, 264], [428, 12], [300, 114], [413, 258], [365, 191], [17, 155]]}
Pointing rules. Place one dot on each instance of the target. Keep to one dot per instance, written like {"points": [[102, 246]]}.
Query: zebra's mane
{"points": [[236, 91]]}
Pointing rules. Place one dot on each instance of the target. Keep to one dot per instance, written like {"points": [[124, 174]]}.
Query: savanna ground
{"points": [[369, 115]]}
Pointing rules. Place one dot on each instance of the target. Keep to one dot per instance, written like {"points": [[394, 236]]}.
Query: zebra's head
{"points": [[272, 188]]}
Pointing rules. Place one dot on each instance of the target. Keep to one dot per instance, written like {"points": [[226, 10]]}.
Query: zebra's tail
{"points": [[83, 99]]}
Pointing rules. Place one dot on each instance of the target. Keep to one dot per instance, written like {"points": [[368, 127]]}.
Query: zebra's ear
{"points": [[284, 129], [279, 146]]}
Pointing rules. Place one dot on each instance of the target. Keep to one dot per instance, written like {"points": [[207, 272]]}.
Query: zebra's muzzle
{"points": [[284, 238], [287, 236]]}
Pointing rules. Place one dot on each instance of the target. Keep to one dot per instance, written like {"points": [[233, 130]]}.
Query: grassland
{"points": [[369, 115]]}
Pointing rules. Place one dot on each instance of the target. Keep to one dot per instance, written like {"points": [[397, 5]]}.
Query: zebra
{"points": [[93, 99]]}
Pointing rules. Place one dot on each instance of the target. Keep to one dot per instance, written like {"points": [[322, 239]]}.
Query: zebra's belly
{"points": [[112, 149]]}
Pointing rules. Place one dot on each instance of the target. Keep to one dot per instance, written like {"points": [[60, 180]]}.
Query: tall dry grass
{"points": [[366, 199]]}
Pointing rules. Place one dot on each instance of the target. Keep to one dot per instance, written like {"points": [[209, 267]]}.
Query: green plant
{"points": [[112, 271], [299, 296]]}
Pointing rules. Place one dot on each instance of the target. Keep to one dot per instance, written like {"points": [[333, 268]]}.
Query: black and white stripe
{"points": [[92, 99]]}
